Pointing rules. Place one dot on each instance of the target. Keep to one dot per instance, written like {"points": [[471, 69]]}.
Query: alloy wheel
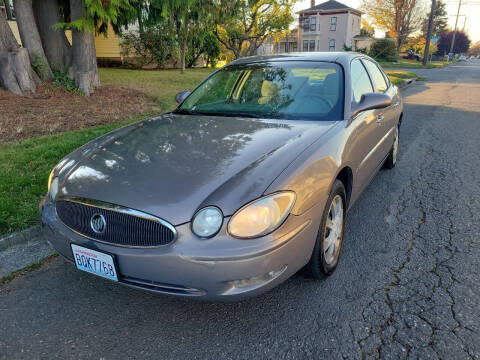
{"points": [[332, 238], [395, 147]]}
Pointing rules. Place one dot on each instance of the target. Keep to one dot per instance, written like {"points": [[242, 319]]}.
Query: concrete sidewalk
{"points": [[21, 249]]}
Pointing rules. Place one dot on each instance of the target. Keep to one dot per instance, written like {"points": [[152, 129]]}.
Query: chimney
{"points": [[312, 3]]}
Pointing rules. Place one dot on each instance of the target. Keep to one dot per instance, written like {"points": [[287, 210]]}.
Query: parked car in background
{"points": [[411, 55], [462, 58], [246, 182]]}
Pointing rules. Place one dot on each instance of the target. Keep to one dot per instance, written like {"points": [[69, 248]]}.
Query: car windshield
{"points": [[279, 90]]}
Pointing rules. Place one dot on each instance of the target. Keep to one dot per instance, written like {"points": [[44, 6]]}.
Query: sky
{"points": [[471, 8]]}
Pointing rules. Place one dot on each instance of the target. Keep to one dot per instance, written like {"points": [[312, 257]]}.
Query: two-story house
{"points": [[328, 26]]}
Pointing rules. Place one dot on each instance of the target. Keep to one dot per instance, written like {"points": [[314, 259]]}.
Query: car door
{"points": [[386, 117], [365, 133]]}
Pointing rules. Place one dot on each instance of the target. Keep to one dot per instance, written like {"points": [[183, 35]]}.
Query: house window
{"points": [[305, 45], [293, 47], [306, 24], [308, 45], [313, 23], [333, 23], [331, 45]]}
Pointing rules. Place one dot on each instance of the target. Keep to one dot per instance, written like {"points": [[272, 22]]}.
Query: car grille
{"points": [[123, 227]]}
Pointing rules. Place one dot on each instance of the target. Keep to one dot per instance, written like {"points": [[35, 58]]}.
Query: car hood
{"points": [[172, 165]]}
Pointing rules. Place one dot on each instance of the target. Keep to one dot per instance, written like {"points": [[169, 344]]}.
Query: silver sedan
{"points": [[246, 182]]}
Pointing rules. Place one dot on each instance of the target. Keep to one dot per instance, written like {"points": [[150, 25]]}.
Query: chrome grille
{"points": [[124, 227]]}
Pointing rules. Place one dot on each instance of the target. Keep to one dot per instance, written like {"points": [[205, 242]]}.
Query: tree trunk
{"points": [[16, 73], [57, 48], [31, 38], [84, 62], [8, 9], [183, 44]]}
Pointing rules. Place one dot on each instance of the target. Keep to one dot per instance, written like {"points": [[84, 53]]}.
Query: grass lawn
{"points": [[161, 85], [397, 77], [413, 64], [24, 170], [25, 165]]}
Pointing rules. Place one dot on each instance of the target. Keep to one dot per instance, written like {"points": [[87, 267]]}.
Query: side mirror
{"points": [[182, 96], [371, 101]]}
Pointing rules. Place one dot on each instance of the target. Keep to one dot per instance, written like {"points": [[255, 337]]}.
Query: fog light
{"points": [[258, 280]]}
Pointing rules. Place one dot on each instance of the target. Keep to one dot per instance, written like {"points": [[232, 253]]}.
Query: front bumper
{"points": [[221, 268]]}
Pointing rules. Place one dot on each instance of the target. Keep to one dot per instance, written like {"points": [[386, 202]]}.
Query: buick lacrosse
{"points": [[246, 182]]}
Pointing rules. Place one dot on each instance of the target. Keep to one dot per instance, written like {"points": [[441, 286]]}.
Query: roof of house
{"points": [[330, 5]]}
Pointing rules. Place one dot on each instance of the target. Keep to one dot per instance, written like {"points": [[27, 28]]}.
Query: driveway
{"points": [[407, 285]]}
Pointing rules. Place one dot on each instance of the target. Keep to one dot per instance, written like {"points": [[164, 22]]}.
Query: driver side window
{"points": [[360, 81]]}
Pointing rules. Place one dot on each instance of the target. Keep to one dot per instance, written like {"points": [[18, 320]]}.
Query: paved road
{"points": [[407, 285]]}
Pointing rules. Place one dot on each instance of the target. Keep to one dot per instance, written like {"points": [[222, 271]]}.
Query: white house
{"points": [[328, 26]]}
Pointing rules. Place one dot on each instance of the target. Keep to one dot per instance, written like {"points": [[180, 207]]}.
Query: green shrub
{"points": [[40, 66], [156, 45], [384, 49], [63, 79]]}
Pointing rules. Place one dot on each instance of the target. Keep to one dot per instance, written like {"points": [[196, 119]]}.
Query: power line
{"points": [[456, 23]]}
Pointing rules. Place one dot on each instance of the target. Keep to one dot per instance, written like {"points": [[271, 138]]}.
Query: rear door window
{"points": [[360, 81], [379, 82]]}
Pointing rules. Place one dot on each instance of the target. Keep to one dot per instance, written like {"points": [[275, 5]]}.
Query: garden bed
{"points": [[52, 109]]}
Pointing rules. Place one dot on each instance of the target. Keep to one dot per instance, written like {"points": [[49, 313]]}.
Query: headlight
{"points": [[50, 177], [261, 216], [54, 189], [207, 221], [52, 185]]}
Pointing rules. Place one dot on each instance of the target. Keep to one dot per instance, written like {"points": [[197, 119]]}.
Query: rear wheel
{"points": [[328, 245], [392, 157]]}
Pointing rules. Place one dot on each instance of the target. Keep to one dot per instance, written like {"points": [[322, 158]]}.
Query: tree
{"points": [[367, 29], [55, 44], [475, 49], [87, 18], [462, 42], [8, 9], [16, 73], [383, 49], [440, 20], [417, 45], [44, 41], [247, 25], [188, 21], [400, 18], [28, 30]]}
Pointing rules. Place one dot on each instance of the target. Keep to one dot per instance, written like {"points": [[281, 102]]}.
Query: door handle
{"points": [[380, 118], [396, 104]]}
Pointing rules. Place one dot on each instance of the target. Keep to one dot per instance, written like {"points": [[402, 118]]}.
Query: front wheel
{"points": [[392, 157], [328, 245]]}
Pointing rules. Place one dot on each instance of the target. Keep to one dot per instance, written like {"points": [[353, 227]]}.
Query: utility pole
{"points": [[455, 30], [429, 33]]}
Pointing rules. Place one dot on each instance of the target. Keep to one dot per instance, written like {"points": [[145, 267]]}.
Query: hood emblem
{"points": [[98, 223]]}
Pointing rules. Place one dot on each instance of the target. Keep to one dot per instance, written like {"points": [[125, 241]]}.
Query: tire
{"points": [[324, 261], [391, 160]]}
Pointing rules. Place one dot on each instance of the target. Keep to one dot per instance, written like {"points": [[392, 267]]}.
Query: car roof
{"points": [[338, 57]]}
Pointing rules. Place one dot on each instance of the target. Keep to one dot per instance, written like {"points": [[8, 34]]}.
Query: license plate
{"points": [[94, 262]]}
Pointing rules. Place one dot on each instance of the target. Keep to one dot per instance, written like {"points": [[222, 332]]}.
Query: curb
{"points": [[406, 83], [21, 237], [22, 249]]}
